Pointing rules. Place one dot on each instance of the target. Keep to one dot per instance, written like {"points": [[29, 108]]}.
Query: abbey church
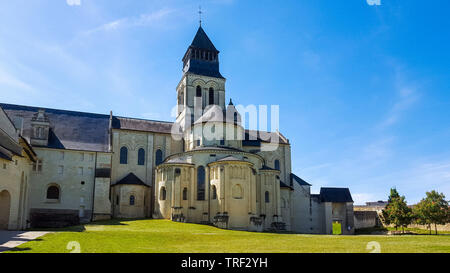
{"points": [[60, 168]]}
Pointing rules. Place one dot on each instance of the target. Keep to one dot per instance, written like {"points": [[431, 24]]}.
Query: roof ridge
{"points": [[144, 119], [35, 108]]}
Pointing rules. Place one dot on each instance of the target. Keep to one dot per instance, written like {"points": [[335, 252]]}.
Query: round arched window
{"points": [[53, 192]]}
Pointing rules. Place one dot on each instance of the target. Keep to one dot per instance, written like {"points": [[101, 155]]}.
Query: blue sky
{"points": [[364, 91]]}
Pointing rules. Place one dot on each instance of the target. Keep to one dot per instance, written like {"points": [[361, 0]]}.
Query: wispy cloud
{"points": [[362, 198], [147, 19], [10, 80], [407, 95], [73, 2]]}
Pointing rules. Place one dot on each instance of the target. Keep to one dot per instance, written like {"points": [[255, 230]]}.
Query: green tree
{"points": [[397, 212], [421, 216], [433, 209]]}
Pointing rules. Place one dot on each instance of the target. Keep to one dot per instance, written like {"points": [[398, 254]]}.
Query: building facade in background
{"points": [[62, 167]]}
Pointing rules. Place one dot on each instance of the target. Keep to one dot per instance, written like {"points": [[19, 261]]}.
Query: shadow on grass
{"points": [[82, 228], [15, 249]]}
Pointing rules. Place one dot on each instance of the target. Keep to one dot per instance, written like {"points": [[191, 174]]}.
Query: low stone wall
{"points": [[439, 227], [366, 219], [52, 218]]}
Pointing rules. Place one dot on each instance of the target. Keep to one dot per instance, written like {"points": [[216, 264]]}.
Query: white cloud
{"points": [[362, 198], [407, 96], [11, 81], [140, 21], [73, 2]]}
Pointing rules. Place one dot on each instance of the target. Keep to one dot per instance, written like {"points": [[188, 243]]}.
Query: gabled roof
{"points": [[202, 41], [337, 195], [131, 179], [300, 181]]}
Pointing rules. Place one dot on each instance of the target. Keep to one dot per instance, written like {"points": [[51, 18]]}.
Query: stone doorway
{"points": [[5, 205]]}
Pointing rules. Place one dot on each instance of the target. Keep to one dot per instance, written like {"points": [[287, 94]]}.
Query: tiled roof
{"points": [[284, 185], [69, 129], [300, 181], [229, 158], [254, 138], [135, 124], [202, 41], [338, 195], [131, 179]]}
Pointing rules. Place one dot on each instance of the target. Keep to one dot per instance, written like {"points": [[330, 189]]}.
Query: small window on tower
{"points": [[199, 91], [211, 96]]}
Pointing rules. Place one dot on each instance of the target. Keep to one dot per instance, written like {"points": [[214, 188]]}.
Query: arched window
{"points": [[132, 199], [267, 197], [277, 164], [201, 183], [158, 157], [141, 157], [199, 91], [214, 192], [162, 194], [211, 96], [53, 193], [185, 193], [124, 155]]}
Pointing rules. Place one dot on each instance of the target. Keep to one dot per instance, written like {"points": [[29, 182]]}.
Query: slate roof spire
{"points": [[202, 57], [202, 41]]}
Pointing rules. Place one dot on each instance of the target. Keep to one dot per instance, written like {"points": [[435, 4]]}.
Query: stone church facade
{"points": [[61, 167]]}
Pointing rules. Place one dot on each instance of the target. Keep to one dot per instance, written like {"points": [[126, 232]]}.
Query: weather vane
{"points": [[200, 14]]}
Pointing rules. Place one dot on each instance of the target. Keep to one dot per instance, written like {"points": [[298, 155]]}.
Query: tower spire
{"points": [[200, 15]]}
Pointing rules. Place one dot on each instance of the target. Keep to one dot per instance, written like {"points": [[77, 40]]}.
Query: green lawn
{"points": [[155, 236]]}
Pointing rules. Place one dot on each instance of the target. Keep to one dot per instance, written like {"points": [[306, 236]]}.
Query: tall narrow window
{"points": [[141, 157], [214, 192], [201, 183], [132, 199], [199, 91], [211, 96], [162, 193], [277, 164], [158, 157], [267, 197], [124, 155], [185, 194]]}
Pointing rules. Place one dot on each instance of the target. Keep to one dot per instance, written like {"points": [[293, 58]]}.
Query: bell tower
{"points": [[202, 84]]}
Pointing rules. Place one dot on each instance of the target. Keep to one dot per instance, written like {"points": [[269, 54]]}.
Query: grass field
{"points": [[162, 236]]}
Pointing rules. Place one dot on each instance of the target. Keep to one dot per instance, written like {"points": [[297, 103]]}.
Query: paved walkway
{"points": [[12, 239]]}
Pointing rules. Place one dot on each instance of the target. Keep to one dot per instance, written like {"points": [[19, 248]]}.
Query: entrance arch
{"points": [[5, 204]]}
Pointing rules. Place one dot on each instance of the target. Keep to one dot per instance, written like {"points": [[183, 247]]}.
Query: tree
{"points": [[421, 215], [397, 212], [433, 209]]}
